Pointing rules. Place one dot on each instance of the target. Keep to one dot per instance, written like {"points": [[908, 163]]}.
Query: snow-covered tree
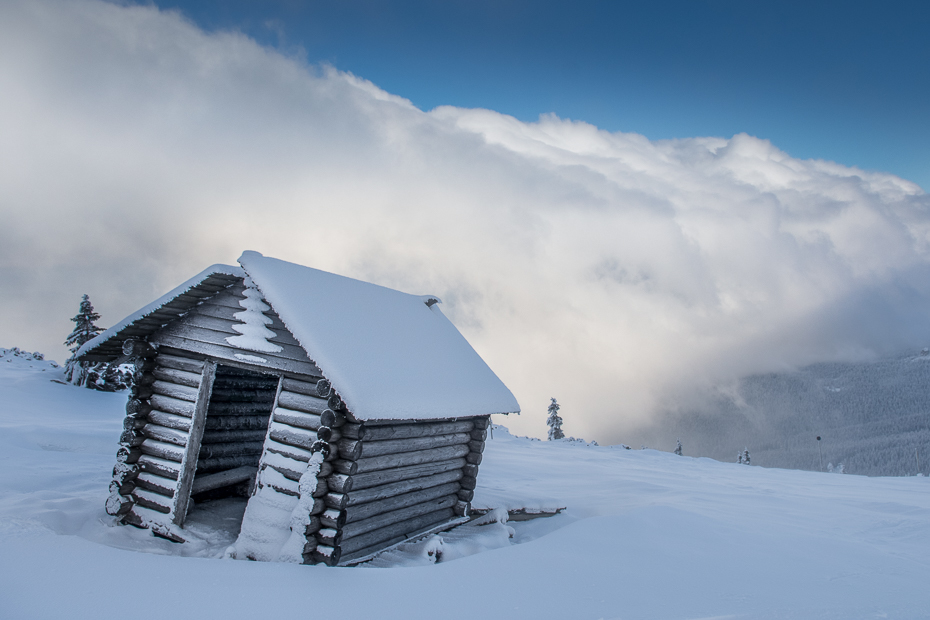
{"points": [[98, 376], [554, 421], [678, 448], [84, 330], [744, 457]]}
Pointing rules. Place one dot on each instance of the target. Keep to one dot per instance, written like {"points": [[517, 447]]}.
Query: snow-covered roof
{"points": [[107, 346], [390, 355]]}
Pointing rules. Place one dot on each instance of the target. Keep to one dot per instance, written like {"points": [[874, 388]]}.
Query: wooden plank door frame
{"points": [[192, 452]]}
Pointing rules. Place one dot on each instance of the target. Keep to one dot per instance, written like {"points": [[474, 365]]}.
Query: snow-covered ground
{"points": [[646, 535]]}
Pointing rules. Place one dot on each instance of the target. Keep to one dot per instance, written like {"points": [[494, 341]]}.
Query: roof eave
{"points": [[107, 347]]}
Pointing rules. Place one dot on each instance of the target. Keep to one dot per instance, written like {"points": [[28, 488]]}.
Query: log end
{"points": [[133, 347], [335, 403], [128, 455], [118, 505], [462, 509], [326, 555], [324, 433]]}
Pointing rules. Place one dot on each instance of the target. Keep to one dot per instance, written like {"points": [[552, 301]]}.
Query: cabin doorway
{"points": [[237, 419]]}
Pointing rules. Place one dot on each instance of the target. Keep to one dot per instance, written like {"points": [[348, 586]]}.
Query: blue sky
{"points": [[843, 81]]}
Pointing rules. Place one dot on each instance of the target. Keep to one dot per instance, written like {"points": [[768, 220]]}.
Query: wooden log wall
{"points": [[303, 422], [127, 469], [205, 327], [164, 429], [394, 480], [237, 420], [161, 417]]}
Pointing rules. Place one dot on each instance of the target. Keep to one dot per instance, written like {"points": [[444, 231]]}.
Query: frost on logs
{"points": [[254, 335]]}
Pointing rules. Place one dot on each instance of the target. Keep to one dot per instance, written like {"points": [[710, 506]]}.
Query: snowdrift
{"points": [[646, 535]]}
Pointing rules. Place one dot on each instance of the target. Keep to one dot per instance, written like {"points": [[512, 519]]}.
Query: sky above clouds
{"points": [[833, 79], [584, 260]]}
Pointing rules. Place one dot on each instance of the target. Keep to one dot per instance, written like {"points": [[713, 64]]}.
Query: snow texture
{"points": [[267, 520], [20, 359], [647, 536], [389, 354], [274, 523], [479, 536], [158, 303], [255, 335], [251, 358], [293, 548]]}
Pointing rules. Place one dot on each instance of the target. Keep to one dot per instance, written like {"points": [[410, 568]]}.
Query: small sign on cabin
{"points": [[349, 416]]}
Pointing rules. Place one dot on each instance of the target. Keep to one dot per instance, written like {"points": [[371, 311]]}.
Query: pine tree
{"points": [[98, 376], [739, 458], [678, 448], [84, 330], [554, 422], [745, 456]]}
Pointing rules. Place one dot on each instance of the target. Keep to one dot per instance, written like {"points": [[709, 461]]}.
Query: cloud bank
{"points": [[605, 269]]}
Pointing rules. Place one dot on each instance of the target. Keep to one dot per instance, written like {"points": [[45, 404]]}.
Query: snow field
{"points": [[646, 535]]}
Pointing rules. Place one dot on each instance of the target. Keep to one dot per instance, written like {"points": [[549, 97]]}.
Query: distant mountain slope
{"points": [[871, 416]]}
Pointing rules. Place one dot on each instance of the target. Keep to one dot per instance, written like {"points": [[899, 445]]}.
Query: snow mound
{"points": [[24, 360], [462, 541], [646, 535]]}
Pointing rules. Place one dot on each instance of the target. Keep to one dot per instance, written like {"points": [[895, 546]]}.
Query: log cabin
{"points": [[349, 416]]}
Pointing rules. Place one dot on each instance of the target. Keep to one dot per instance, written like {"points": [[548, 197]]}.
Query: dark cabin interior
{"points": [[236, 423]]}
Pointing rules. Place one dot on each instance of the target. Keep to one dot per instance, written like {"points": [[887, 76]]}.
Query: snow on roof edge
{"points": [[219, 268], [246, 255], [497, 399]]}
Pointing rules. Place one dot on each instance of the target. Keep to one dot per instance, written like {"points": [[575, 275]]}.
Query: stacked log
{"points": [[188, 418], [395, 479], [303, 423], [173, 389], [470, 479], [205, 328], [237, 420], [123, 487], [379, 483]]}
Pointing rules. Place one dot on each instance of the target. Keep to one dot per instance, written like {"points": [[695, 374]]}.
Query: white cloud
{"points": [[600, 268]]}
